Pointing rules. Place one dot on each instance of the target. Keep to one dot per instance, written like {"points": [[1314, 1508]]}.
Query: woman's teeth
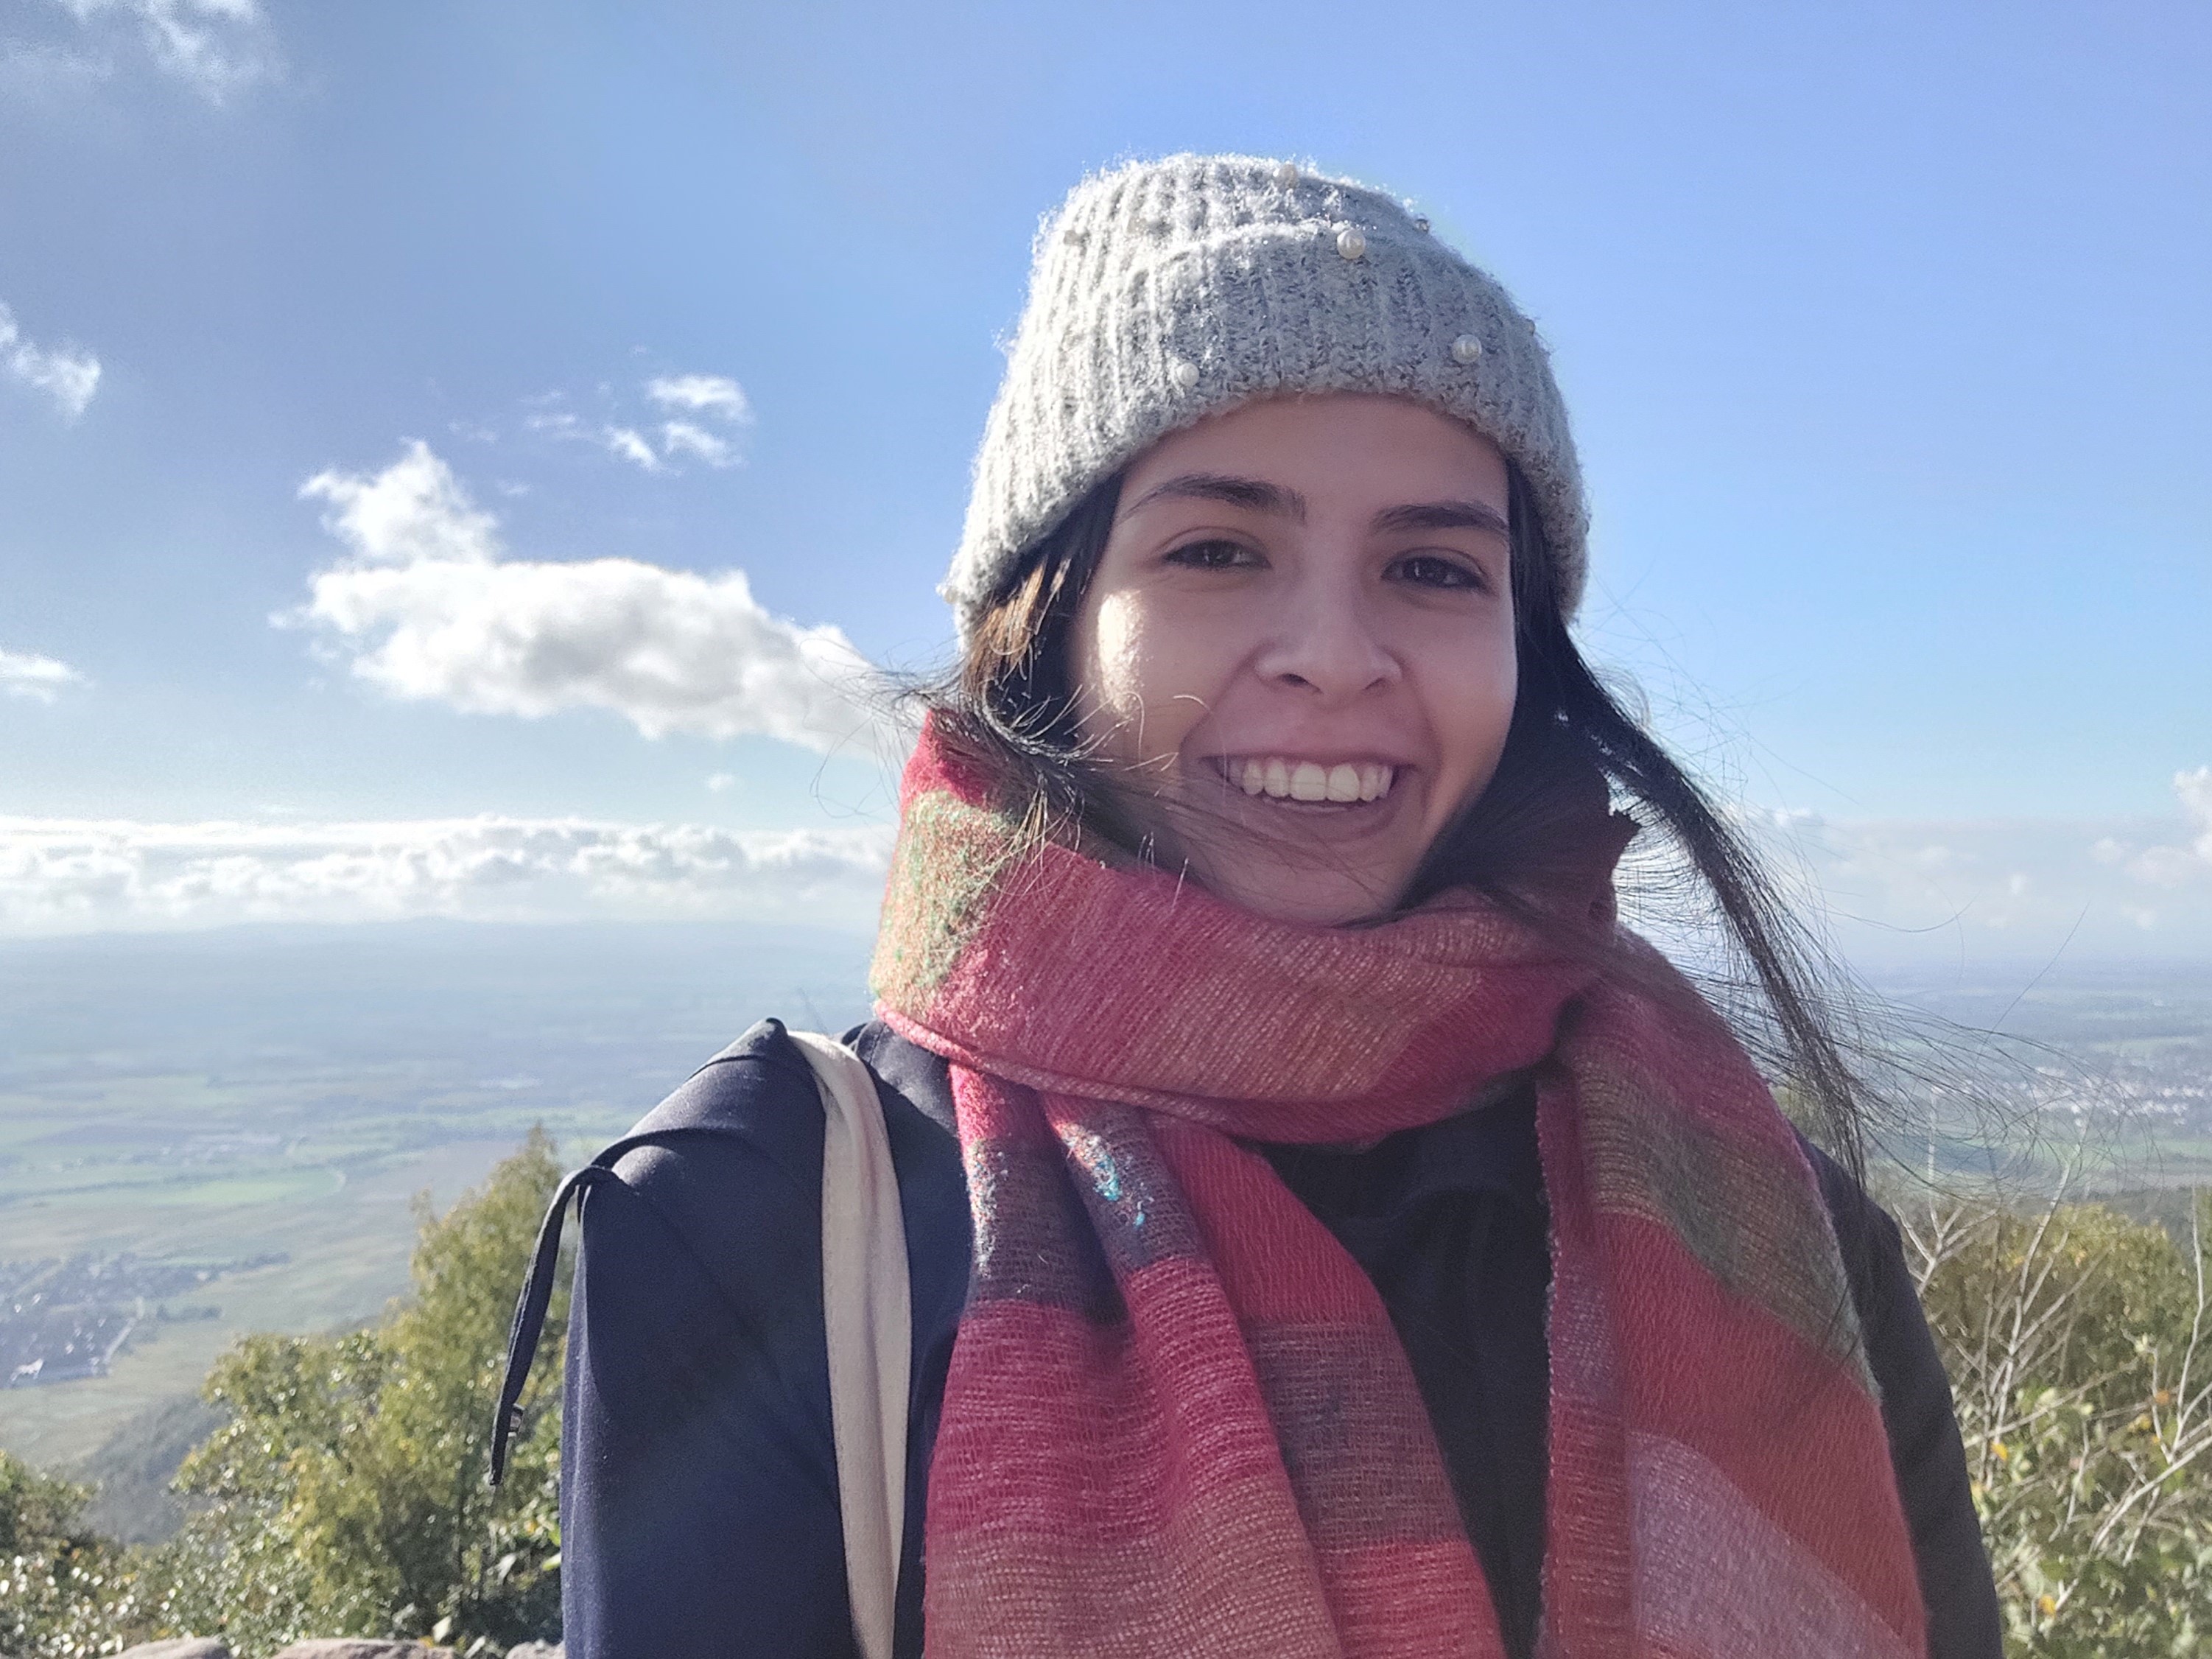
{"points": [[1290, 780]]}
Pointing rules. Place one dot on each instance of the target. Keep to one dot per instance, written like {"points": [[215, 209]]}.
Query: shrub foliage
{"points": [[344, 1493], [2080, 1349]]}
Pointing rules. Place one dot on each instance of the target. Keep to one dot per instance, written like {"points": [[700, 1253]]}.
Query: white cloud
{"points": [[2014, 887], [2168, 863], [715, 395], [414, 512], [219, 47], [69, 377], [63, 876], [42, 679], [627, 444], [429, 607], [682, 438], [2194, 789], [702, 404]]}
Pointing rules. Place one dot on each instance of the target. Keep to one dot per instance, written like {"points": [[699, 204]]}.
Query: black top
{"points": [[699, 1488]]}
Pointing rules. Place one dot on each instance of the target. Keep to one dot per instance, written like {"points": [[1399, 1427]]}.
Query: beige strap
{"points": [[869, 1322]]}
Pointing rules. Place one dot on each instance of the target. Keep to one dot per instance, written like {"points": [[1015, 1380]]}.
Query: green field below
{"points": [[345, 1236], [220, 1099]]}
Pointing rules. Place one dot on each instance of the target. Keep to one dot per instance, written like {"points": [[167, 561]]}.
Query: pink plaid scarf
{"points": [[1178, 1421]]}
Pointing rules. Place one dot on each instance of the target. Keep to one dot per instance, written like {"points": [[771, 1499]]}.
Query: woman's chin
{"points": [[1314, 898]]}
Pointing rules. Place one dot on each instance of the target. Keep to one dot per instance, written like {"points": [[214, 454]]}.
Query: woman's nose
{"points": [[1325, 642]]}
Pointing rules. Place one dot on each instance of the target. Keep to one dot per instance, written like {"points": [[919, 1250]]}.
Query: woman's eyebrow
{"points": [[1256, 493], [1443, 515]]}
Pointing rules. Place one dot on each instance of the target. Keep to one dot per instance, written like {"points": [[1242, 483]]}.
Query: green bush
{"points": [[64, 1592], [343, 1494], [346, 1495], [2079, 1348]]}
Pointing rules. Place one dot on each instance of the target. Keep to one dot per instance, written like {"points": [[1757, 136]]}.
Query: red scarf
{"points": [[1178, 1421]]}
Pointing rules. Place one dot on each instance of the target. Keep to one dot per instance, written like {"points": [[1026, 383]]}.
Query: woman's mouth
{"points": [[1289, 777]]}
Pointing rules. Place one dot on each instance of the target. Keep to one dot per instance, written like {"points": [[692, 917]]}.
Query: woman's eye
{"points": [[1213, 556], [1434, 570]]}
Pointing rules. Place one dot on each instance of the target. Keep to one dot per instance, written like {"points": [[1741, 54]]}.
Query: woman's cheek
{"points": [[1102, 659], [1480, 713], [1153, 669]]}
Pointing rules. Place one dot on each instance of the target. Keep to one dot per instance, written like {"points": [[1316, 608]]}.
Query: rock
{"points": [[183, 1647], [538, 1651], [346, 1647]]}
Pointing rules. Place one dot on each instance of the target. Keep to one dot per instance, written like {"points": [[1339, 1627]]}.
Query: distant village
{"points": [[63, 1319], [2172, 1091]]}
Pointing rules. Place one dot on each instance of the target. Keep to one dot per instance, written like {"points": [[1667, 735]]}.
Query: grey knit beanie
{"points": [[1166, 291]]}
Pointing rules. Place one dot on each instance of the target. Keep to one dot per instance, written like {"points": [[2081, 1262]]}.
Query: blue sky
{"points": [[1883, 325]]}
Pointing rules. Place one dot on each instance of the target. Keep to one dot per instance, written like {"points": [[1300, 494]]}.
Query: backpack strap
{"points": [[529, 1310], [694, 1108], [868, 1320]]}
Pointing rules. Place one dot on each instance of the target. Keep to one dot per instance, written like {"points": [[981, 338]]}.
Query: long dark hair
{"points": [[1572, 756]]}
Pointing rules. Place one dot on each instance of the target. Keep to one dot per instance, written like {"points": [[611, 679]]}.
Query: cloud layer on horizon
{"points": [[2007, 886], [77, 876], [1891, 892], [428, 606]]}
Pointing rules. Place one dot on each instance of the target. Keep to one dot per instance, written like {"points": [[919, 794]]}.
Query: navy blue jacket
{"points": [[699, 1493]]}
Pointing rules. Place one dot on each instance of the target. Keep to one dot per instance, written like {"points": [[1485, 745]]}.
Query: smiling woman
{"points": [[1304, 1220]]}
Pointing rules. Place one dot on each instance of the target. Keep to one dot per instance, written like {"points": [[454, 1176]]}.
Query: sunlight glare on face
{"points": [[1297, 651]]}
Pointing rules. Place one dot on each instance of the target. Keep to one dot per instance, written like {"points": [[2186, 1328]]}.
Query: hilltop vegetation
{"points": [[2079, 1344], [343, 1492]]}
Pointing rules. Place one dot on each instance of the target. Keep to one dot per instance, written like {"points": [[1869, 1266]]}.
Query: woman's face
{"points": [[1298, 647]]}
